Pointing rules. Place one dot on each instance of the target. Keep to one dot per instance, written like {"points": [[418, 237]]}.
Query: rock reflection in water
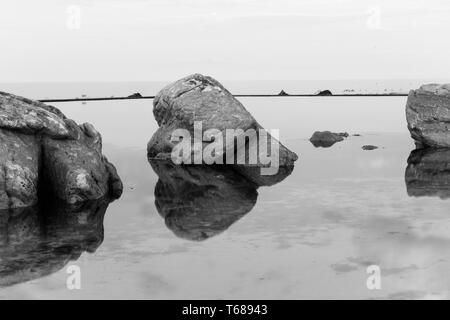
{"points": [[428, 173], [38, 241], [201, 201]]}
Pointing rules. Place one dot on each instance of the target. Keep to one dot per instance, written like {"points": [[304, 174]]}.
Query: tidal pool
{"points": [[312, 235]]}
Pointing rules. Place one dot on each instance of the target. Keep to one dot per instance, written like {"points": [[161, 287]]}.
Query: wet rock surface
{"points": [[428, 173], [201, 201], [199, 98], [326, 139], [428, 115], [43, 152]]}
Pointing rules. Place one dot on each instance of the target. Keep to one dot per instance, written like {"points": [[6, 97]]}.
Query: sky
{"points": [[159, 40]]}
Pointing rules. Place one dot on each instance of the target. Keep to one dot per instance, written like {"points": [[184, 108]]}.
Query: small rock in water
{"points": [[135, 95], [326, 139], [369, 147], [283, 93], [325, 93]]}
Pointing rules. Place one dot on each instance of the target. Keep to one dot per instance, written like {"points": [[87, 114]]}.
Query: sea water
{"points": [[313, 235]]}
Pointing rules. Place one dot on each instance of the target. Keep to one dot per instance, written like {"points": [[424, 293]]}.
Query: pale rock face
{"points": [[43, 151], [28, 116], [438, 89], [428, 115], [19, 167]]}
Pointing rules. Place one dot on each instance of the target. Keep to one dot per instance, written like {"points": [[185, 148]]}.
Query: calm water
{"points": [[311, 236]]}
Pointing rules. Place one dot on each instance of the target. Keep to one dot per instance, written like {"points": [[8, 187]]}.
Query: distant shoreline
{"points": [[237, 95]]}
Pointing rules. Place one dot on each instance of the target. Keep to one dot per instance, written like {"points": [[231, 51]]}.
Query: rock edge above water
{"points": [[428, 115]]}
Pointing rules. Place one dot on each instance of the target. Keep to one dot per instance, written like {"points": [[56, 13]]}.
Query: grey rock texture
{"points": [[428, 173], [428, 115], [202, 98], [41, 151], [326, 139]]}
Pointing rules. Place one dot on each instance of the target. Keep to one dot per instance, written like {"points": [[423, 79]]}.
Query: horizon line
{"points": [[235, 95]]}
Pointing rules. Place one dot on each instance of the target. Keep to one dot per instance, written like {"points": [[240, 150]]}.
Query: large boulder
{"points": [[428, 173], [199, 98], [428, 115], [44, 153]]}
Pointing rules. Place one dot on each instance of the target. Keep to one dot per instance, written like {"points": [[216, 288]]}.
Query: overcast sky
{"points": [[122, 40]]}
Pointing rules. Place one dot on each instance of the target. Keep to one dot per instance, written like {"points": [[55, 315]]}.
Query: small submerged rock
{"points": [[369, 147], [428, 115], [326, 139], [44, 153]]}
